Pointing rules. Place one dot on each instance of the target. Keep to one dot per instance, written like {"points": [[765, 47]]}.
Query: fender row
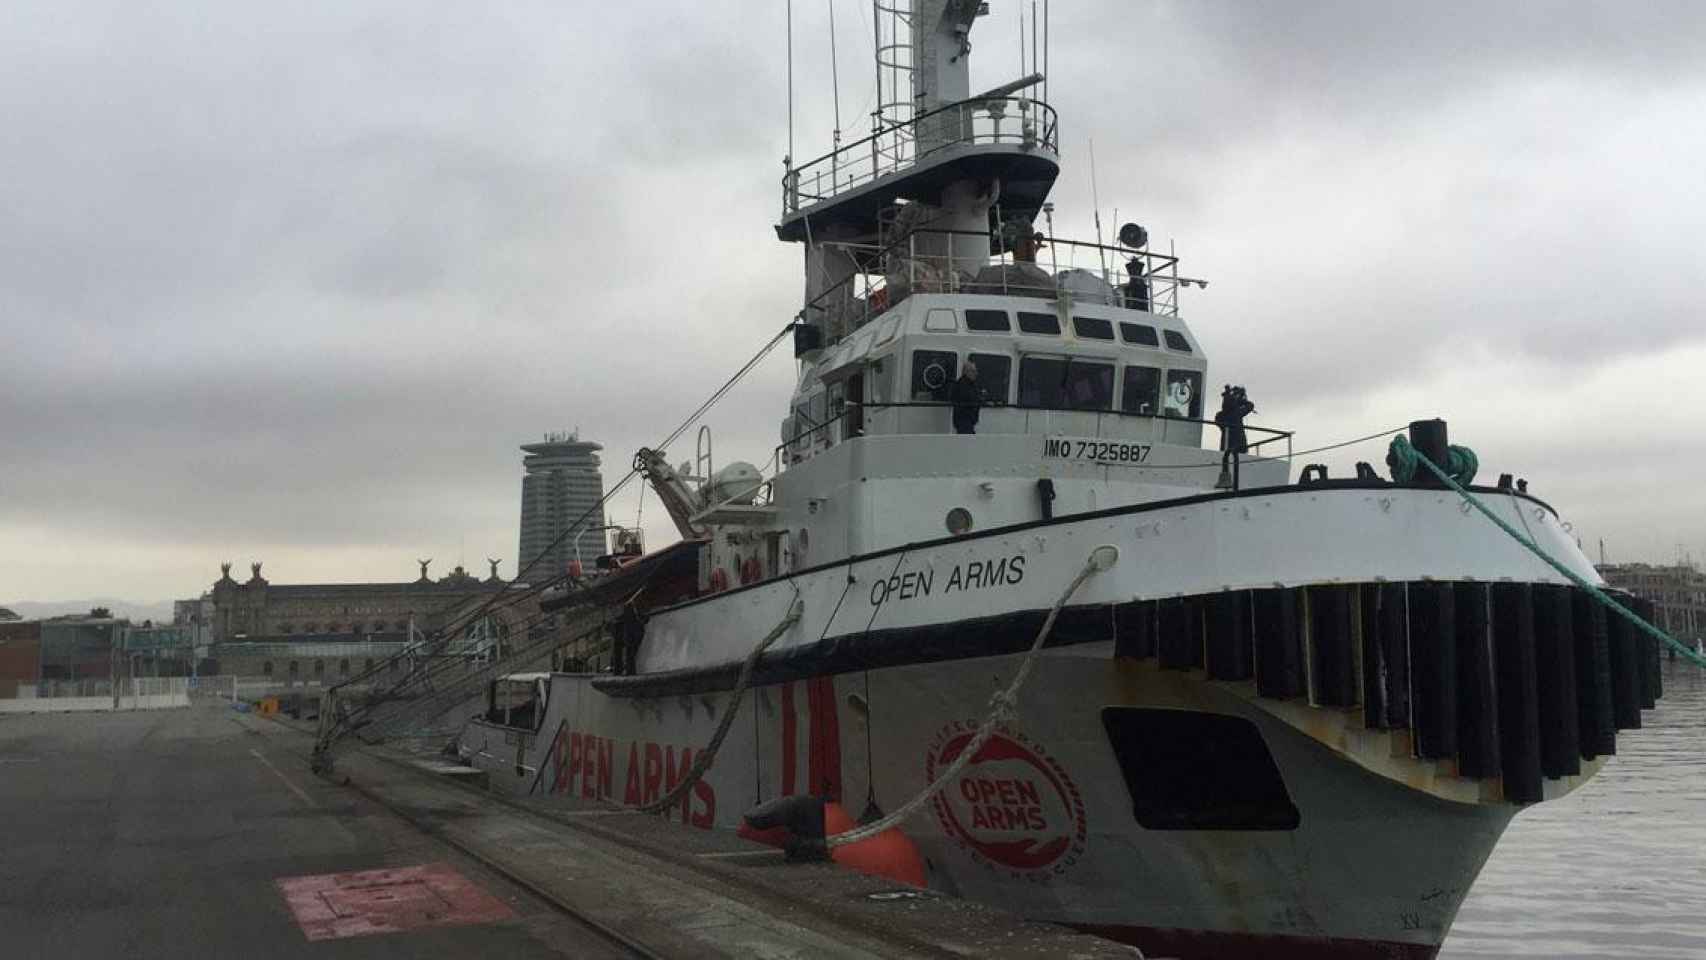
{"points": [[1516, 681]]}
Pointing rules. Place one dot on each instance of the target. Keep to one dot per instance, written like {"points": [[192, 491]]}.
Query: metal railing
{"points": [[1017, 121], [104, 687], [313, 648], [924, 261], [1012, 418]]}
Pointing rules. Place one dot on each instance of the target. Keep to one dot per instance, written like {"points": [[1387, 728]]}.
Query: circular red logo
{"points": [[1012, 807]]}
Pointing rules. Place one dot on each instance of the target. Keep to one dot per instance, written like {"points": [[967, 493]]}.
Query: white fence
{"points": [[141, 693], [222, 687]]}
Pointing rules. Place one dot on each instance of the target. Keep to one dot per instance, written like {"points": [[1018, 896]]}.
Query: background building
{"points": [[20, 655], [560, 492], [80, 648], [159, 651], [1678, 594], [329, 631]]}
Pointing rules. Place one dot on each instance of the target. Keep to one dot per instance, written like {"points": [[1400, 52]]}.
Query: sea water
{"points": [[1616, 869]]}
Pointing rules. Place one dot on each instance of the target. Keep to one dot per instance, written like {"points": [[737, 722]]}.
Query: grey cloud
{"points": [[280, 281]]}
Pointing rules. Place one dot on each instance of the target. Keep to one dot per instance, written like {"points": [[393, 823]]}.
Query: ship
{"points": [[1137, 670]]}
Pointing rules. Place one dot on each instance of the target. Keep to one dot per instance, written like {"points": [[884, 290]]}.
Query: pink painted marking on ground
{"points": [[336, 905]]}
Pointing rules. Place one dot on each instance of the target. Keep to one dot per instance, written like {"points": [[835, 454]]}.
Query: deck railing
{"points": [[936, 417], [1015, 121], [925, 261]]}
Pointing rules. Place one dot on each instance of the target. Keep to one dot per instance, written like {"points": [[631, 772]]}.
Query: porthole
{"points": [[959, 521]]}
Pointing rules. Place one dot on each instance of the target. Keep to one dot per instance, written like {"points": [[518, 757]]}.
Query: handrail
{"points": [[911, 122], [1161, 269], [1272, 433], [777, 454], [1038, 126]]}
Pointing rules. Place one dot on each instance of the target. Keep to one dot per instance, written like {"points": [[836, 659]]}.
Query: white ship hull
{"points": [[1065, 815]]}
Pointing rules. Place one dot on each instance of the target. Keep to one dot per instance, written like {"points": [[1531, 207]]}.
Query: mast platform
{"points": [[1010, 140]]}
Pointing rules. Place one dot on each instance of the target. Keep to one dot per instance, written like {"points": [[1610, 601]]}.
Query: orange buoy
{"points": [[719, 580], [889, 854]]}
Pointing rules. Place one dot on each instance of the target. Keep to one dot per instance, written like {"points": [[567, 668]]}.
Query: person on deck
{"points": [[966, 398], [1137, 288], [1235, 405]]}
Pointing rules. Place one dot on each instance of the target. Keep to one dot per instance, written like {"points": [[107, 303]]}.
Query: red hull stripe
{"points": [[1214, 945], [825, 754], [790, 741]]}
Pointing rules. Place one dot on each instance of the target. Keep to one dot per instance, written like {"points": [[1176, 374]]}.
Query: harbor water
{"points": [[1616, 869]]}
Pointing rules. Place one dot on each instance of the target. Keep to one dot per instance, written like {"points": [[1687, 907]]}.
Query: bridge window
{"points": [[994, 375], [295, 669], [1040, 381], [1184, 394], [343, 668], [932, 373], [1090, 386], [1176, 341], [1058, 383], [1142, 390], [1093, 328], [989, 321], [1139, 334], [1040, 323], [319, 669], [266, 669]]}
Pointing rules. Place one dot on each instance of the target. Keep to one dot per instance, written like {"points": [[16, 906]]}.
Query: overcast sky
{"points": [[291, 282]]}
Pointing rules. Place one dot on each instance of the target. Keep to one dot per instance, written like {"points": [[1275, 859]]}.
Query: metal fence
{"points": [[105, 687]]}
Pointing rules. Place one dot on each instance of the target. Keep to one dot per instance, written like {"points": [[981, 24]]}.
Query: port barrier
{"points": [[84, 696]]}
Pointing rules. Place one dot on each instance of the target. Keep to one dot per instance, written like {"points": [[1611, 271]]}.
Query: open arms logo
{"points": [[1013, 807]]}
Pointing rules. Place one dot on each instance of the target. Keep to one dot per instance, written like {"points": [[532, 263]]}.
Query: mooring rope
{"points": [[1003, 706], [702, 760], [1534, 548]]}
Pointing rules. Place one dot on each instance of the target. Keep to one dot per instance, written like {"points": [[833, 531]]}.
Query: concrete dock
{"points": [[201, 832]]}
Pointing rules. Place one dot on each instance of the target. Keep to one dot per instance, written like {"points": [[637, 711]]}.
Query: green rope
{"points": [[1402, 459], [1533, 547]]}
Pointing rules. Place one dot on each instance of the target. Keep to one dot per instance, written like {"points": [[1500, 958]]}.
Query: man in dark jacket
{"points": [[966, 398], [1235, 405]]}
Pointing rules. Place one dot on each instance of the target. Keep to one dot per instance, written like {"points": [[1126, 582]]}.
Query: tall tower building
{"points": [[560, 490]]}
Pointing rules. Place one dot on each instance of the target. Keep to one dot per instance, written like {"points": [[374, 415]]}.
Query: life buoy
{"points": [[719, 580], [879, 300], [750, 571]]}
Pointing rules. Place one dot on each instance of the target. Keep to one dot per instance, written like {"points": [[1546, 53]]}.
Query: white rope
{"points": [[702, 760], [1003, 706]]}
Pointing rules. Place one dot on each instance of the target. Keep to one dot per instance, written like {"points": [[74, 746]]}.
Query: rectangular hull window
{"points": [[1197, 771]]}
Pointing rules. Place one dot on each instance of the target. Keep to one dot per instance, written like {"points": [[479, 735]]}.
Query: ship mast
{"points": [[921, 187]]}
